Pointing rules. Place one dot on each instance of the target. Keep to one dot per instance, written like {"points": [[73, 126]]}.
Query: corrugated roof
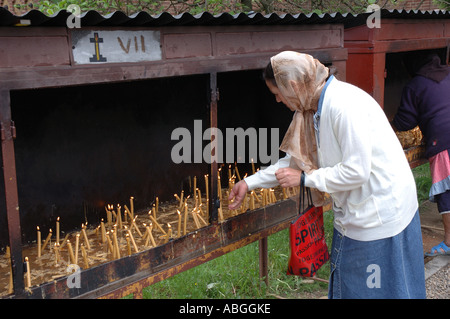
{"points": [[118, 18]]}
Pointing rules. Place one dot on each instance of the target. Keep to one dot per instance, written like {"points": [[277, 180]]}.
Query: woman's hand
{"points": [[288, 177], [237, 193]]}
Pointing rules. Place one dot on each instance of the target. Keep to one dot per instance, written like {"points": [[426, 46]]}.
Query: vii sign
{"points": [[115, 46]]}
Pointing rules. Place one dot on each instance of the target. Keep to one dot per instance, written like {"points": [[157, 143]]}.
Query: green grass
{"points": [[422, 177], [236, 274]]}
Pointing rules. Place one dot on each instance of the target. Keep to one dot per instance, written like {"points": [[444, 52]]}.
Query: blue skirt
{"points": [[389, 268]]}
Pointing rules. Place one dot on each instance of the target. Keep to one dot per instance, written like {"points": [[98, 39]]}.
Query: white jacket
{"points": [[362, 166]]}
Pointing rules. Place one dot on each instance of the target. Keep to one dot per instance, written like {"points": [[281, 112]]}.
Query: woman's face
{"points": [[278, 96]]}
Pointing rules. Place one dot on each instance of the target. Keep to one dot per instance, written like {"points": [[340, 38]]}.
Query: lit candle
{"points": [[272, 193], [10, 284], [86, 240], [119, 218], [158, 225], [109, 216], [132, 240], [284, 193], [199, 197], [118, 211], [77, 243], [219, 187], [127, 237], [57, 255], [110, 245], [169, 232], [166, 237], [179, 224], [149, 230], [257, 197], [133, 224], [195, 190], [244, 204], [102, 226], [145, 237], [132, 206], [72, 257], [127, 212], [63, 242], [185, 218], [194, 215], [201, 218], [154, 211], [252, 200], [39, 242], [57, 230], [237, 171], [219, 210], [206, 186], [97, 231], [47, 239], [253, 167], [28, 269], [116, 244], [181, 199], [207, 193], [84, 253]]}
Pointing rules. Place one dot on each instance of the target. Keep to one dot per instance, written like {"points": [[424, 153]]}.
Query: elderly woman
{"points": [[341, 143]]}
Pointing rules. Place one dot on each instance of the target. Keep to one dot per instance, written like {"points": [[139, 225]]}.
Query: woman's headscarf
{"points": [[300, 79]]}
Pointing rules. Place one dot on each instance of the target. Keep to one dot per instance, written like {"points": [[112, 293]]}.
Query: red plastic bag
{"points": [[308, 249]]}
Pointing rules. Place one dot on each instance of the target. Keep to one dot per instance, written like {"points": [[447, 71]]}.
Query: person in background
{"points": [[425, 102], [340, 142]]}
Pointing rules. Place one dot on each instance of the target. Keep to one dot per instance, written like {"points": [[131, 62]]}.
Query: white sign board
{"points": [[91, 47]]}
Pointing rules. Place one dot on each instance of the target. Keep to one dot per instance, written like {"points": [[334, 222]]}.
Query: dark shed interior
{"points": [[80, 148]]}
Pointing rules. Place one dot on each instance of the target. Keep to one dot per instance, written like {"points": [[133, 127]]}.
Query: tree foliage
{"points": [[443, 4], [213, 6]]}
